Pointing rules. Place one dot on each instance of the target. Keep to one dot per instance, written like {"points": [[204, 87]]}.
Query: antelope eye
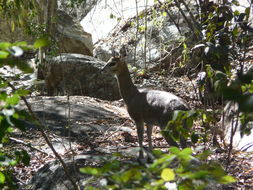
{"points": [[113, 63]]}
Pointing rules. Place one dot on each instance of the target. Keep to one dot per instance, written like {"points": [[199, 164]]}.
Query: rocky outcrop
{"points": [[233, 126], [78, 10], [76, 74], [150, 46], [89, 118], [85, 111], [108, 14], [71, 36], [52, 176]]}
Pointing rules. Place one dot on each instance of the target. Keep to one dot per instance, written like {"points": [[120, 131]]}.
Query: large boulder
{"points": [[76, 74], [71, 36], [232, 128]]}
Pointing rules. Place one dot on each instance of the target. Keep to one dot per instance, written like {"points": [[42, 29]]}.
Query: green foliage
{"points": [[19, 13], [10, 116], [41, 42], [178, 169], [181, 125], [226, 38]]}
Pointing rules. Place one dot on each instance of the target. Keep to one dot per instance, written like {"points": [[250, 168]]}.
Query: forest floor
{"points": [[240, 164]]}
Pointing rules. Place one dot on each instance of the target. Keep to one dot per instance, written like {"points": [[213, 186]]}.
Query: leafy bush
{"points": [[175, 170], [226, 38], [181, 126], [10, 116]]}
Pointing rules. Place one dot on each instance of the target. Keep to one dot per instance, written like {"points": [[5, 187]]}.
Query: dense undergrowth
{"points": [[220, 46]]}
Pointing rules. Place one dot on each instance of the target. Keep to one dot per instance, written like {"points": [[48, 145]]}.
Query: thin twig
{"points": [[190, 25], [137, 31], [171, 18], [28, 145], [145, 34]]}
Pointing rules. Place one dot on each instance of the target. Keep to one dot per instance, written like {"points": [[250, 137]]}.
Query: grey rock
{"points": [[232, 122], [75, 74], [160, 38], [71, 37], [85, 112], [52, 176], [77, 11]]}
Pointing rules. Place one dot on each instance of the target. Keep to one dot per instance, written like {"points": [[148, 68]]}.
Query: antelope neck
{"points": [[127, 89]]}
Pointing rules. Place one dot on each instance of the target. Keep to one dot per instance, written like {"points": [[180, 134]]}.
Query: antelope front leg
{"points": [[140, 133], [149, 134]]}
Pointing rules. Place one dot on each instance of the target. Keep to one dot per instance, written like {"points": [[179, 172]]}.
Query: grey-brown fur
{"points": [[152, 107]]}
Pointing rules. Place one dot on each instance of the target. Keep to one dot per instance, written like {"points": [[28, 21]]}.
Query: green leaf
{"points": [[186, 151], [133, 173], [111, 166], [235, 2], [3, 127], [141, 72], [204, 117], [176, 114], [23, 156], [18, 123], [200, 174], [91, 171], [227, 179], [4, 54], [13, 100], [23, 66], [174, 150], [168, 158], [41, 42], [90, 188], [236, 13], [5, 45], [204, 155], [112, 16], [246, 104], [168, 174], [21, 44], [22, 92], [3, 95], [247, 11], [2, 178], [189, 122]]}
